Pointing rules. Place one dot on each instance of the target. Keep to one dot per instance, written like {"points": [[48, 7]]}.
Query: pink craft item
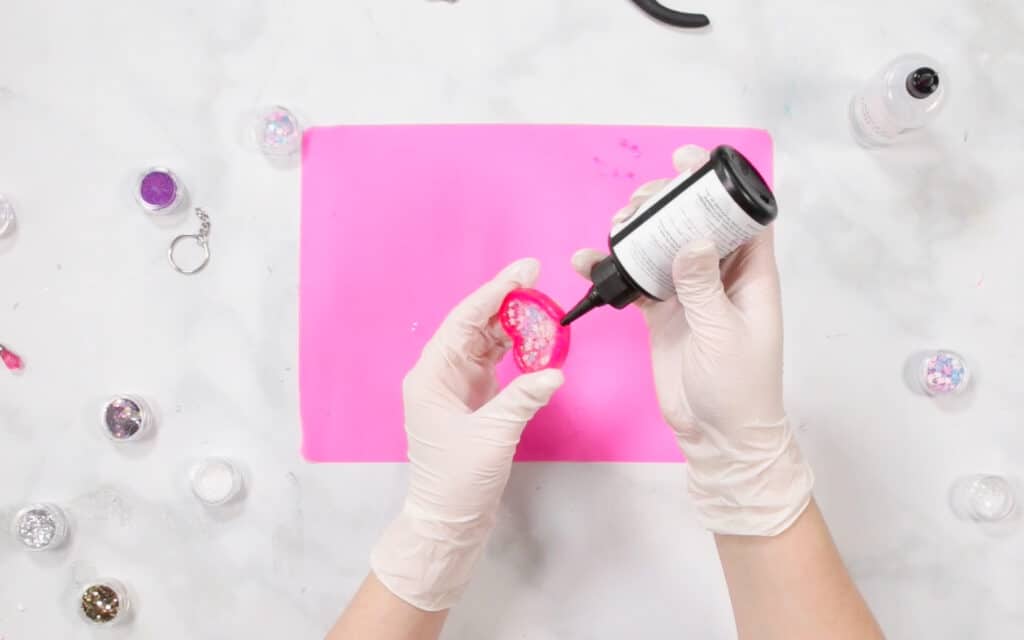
{"points": [[400, 223], [531, 318], [10, 359]]}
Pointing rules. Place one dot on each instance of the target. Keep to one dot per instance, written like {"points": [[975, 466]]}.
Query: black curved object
{"points": [[661, 13]]}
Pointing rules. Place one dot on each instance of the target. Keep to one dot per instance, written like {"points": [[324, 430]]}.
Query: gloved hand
{"points": [[462, 432], [717, 357]]}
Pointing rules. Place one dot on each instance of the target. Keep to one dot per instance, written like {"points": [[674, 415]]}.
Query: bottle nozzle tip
{"points": [[589, 302], [569, 317]]}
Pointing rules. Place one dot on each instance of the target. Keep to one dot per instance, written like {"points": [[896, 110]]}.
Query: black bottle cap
{"points": [[611, 286], [923, 82], [745, 184]]}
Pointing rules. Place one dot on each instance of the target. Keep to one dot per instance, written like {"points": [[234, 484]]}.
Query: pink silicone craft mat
{"points": [[401, 222]]}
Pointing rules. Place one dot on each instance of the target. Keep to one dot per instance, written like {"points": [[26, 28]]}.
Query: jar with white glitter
{"points": [[216, 481]]}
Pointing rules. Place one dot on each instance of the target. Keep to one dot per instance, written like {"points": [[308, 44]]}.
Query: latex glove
{"points": [[462, 434], [717, 357]]}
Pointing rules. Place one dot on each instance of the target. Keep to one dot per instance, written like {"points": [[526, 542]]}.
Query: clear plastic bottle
{"points": [[905, 95]]}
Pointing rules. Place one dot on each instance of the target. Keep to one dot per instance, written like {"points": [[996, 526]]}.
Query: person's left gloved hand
{"points": [[462, 432]]}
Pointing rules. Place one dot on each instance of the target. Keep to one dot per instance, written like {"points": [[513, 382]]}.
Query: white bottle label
{"points": [[872, 119], [704, 210]]}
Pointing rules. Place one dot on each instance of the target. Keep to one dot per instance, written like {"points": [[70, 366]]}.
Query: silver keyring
{"points": [[201, 242]]}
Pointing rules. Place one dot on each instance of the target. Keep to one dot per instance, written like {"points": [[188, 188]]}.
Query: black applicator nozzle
{"points": [[610, 287], [590, 301]]}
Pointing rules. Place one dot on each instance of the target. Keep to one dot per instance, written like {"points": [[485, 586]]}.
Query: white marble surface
{"points": [[881, 253]]}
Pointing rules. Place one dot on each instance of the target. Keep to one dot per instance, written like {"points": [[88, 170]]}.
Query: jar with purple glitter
{"points": [[159, 191], [943, 373], [126, 418]]}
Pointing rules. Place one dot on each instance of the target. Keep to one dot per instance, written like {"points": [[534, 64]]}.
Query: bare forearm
{"points": [[377, 614], [794, 586]]}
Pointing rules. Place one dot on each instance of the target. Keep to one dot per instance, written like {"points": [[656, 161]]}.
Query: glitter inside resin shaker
{"points": [[40, 527], [216, 481], [126, 418], [531, 319], [6, 215], [944, 373], [277, 132], [159, 191], [104, 602]]}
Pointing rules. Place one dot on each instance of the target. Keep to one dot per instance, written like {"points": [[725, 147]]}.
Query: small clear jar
{"points": [[126, 418], [216, 481], [984, 498], [159, 191], [40, 527], [276, 132], [943, 373], [104, 603]]}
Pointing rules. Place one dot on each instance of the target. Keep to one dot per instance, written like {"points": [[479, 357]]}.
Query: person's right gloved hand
{"points": [[717, 355]]}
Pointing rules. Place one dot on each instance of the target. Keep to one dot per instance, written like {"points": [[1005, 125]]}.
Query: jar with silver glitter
{"points": [[40, 527], [126, 418], [104, 602]]}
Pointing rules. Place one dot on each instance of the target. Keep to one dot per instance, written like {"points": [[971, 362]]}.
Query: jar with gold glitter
{"points": [[104, 603]]}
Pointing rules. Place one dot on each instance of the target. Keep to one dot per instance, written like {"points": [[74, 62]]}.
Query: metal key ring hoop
{"points": [[202, 242]]}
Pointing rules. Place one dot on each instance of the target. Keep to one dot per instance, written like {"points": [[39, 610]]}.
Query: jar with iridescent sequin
{"points": [[126, 418], [276, 132], [943, 373]]}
